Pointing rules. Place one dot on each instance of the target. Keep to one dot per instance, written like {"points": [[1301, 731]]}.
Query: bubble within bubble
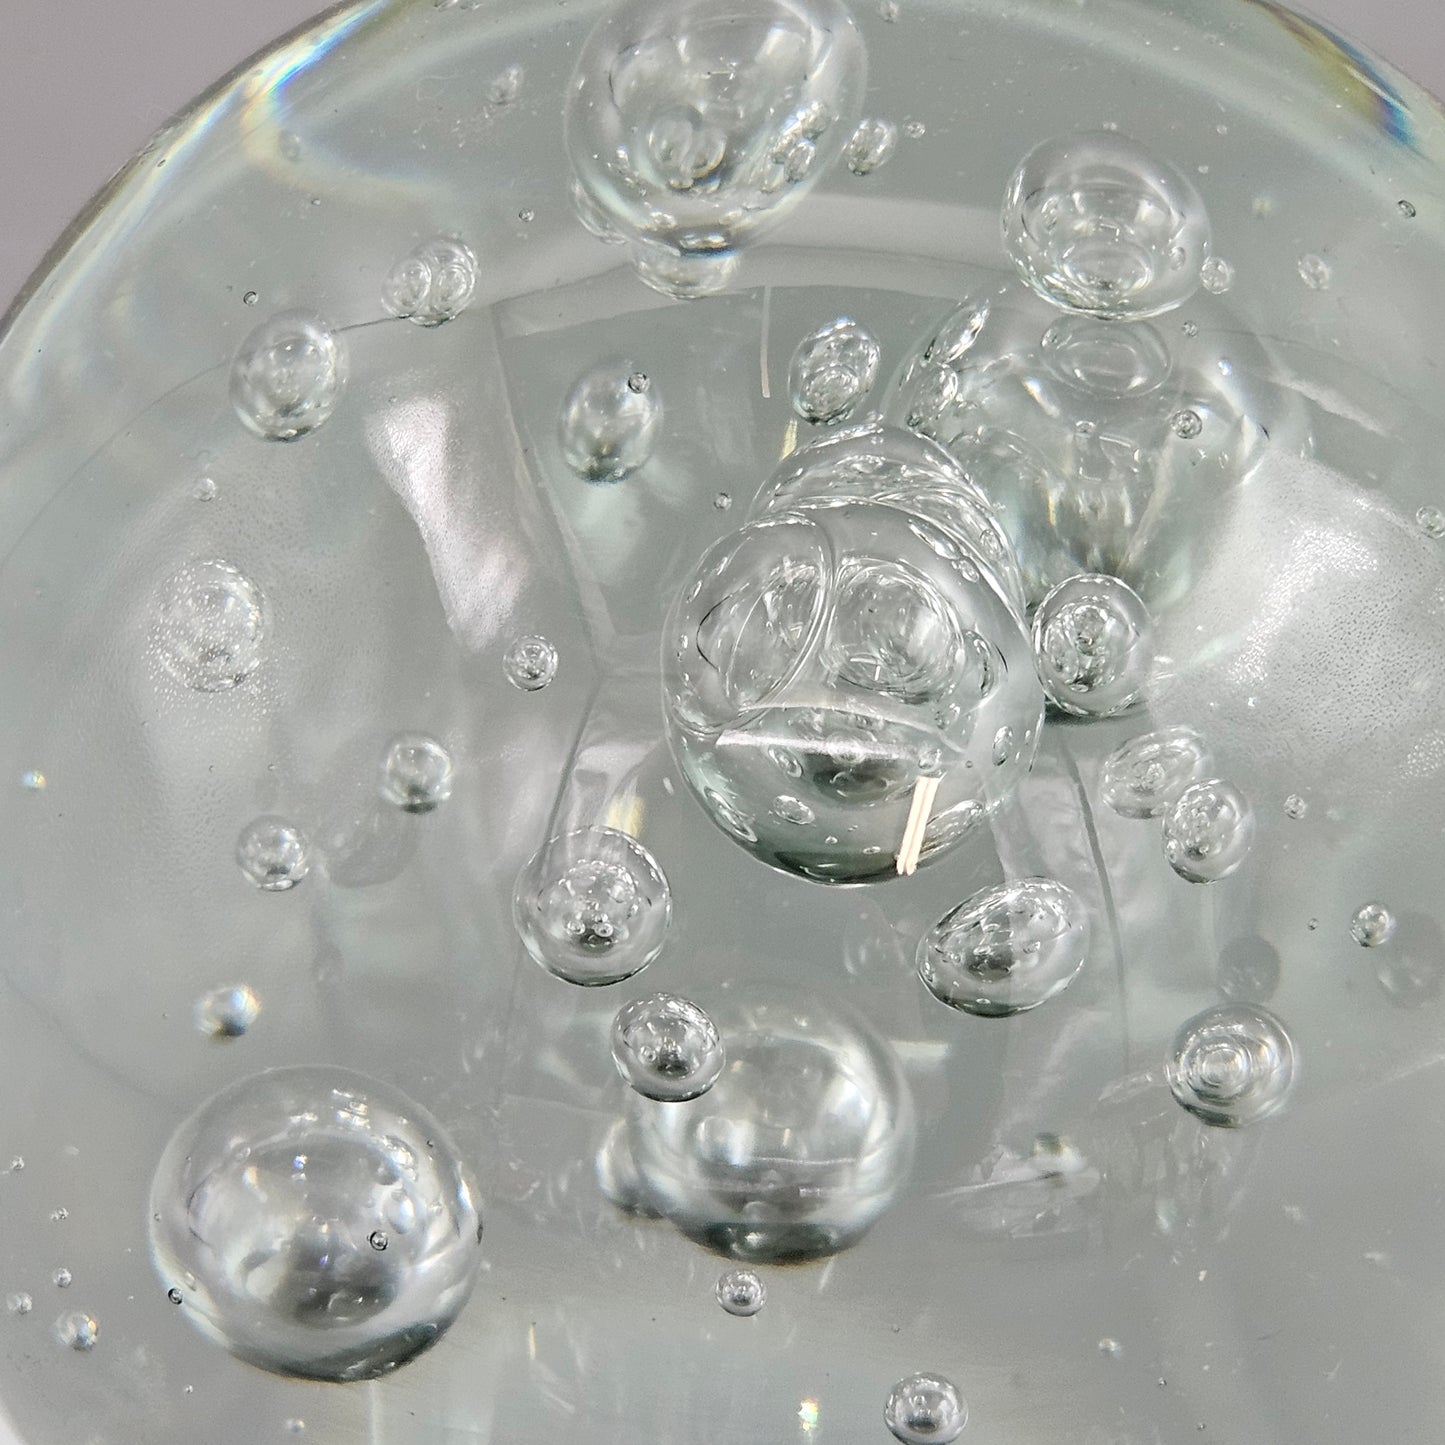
{"points": [[666, 1048], [1372, 925], [287, 376], [1431, 521], [871, 145], [1232, 1065], [227, 1013], [210, 626], [1208, 831], [1315, 272], [925, 1410], [77, 1331], [592, 907], [741, 1292], [608, 428], [1216, 275], [833, 369], [1186, 424], [434, 284], [416, 773], [1096, 224], [1092, 644], [530, 663], [1006, 950], [264, 1204], [694, 129], [273, 854], [1144, 776]]}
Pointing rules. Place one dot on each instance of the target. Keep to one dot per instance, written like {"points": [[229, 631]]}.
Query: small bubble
{"points": [[1143, 776], [1216, 275], [1208, 831], [1314, 271], [592, 907], [174, 1295], [1295, 807], [925, 1410], [833, 370], [608, 428], [956, 337], [33, 780], [1186, 424], [888, 9], [287, 376], [19, 1303], [530, 663], [741, 1292], [1111, 1348], [434, 284], [507, 86], [416, 773], [871, 146], [666, 1048], [722, 501], [78, 1331], [62, 1278], [294, 1426], [1431, 521], [58, 1216], [205, 490], [1007, 949], [288, 144], [250, 298], [792, 810], [1003, 746], [526, 215], [377, 1240], [273, 854], [1231, 1065], [638, 382], [1372, 925], [1190, 329], [1248, 970], [210, 626], [1407, 210], [227, 1013], [16, 1164], [914, 129], [1092, 645]]}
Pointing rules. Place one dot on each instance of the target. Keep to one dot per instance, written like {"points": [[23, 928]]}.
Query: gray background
{"points": [[83, 84]]}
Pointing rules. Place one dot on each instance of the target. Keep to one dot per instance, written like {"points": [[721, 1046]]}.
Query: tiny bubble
{"points": [[250, 298], [378, 1240], [914, 129], [205, 490], [722, 501], [527, 215], [62, 1278], [17, 1164], [174, 1295], [19, 1304], [1314, 271], [1430, 520], [33, 781], [638, 382], [1190, 328], [1407, 210], [1295, 807], [1186, 424], [58, 1214]]}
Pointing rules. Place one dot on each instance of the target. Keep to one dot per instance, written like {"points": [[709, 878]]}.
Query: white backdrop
{"points": [[83, 83]]}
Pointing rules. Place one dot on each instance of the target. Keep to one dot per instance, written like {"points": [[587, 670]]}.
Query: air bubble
{"points": [[666, 1048], [1096, 224], [1407, 210], [174, 1295], [871, 146], [1431, 521], [250, 298], [683, 158], [227, 1013], [741, 1292], [1186, 424], [19, 1303], [1006, 950], [506, 87], [722, 501], [210, 626], [609, 428], [1372, 925], [1216, 275], [416, 773], [1232, 1065], [287, 376], [1208, 831], [1315, 272], [530, 663], [378, 1240], [77, 1331], [833, 370], [434, 284], [265, 1203], [62, 1278], [1092, 644], [925, 1410], [1249, 970], [32, 780], [1111, 1348], [205, 490], [955, 337], [1295, 807], [1144, 776], [273, 854], [914, 129], [592, 907]]}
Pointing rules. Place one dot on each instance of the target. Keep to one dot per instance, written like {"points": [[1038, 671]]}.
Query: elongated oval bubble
{"points": [[1142, 777]]}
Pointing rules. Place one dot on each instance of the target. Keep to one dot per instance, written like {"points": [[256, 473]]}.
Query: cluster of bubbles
{"points": [[667, 1048], [434, 284], [610, 421], [1091, 645], [315, 1223], [592, 907]]}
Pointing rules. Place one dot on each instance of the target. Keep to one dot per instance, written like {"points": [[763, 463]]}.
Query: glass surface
{"points": [[206, 629]]}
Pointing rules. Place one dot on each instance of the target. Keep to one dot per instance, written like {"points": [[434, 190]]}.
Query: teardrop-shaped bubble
{"points": [[666, 1048], [1208, 831], [592, 907], [1007, 949], [416, 773], [925, 1409], [210, 626], [1232, 1065], [1142, 777], [1095, 223], [434, 284], [693, 129], [265, 1205], [1092, 644], [833, 370], [287, 376], [609, 423]]}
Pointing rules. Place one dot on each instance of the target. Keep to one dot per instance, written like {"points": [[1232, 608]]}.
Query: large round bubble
{"points": [[837, 680], [693, 127], [316, 1223]]}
